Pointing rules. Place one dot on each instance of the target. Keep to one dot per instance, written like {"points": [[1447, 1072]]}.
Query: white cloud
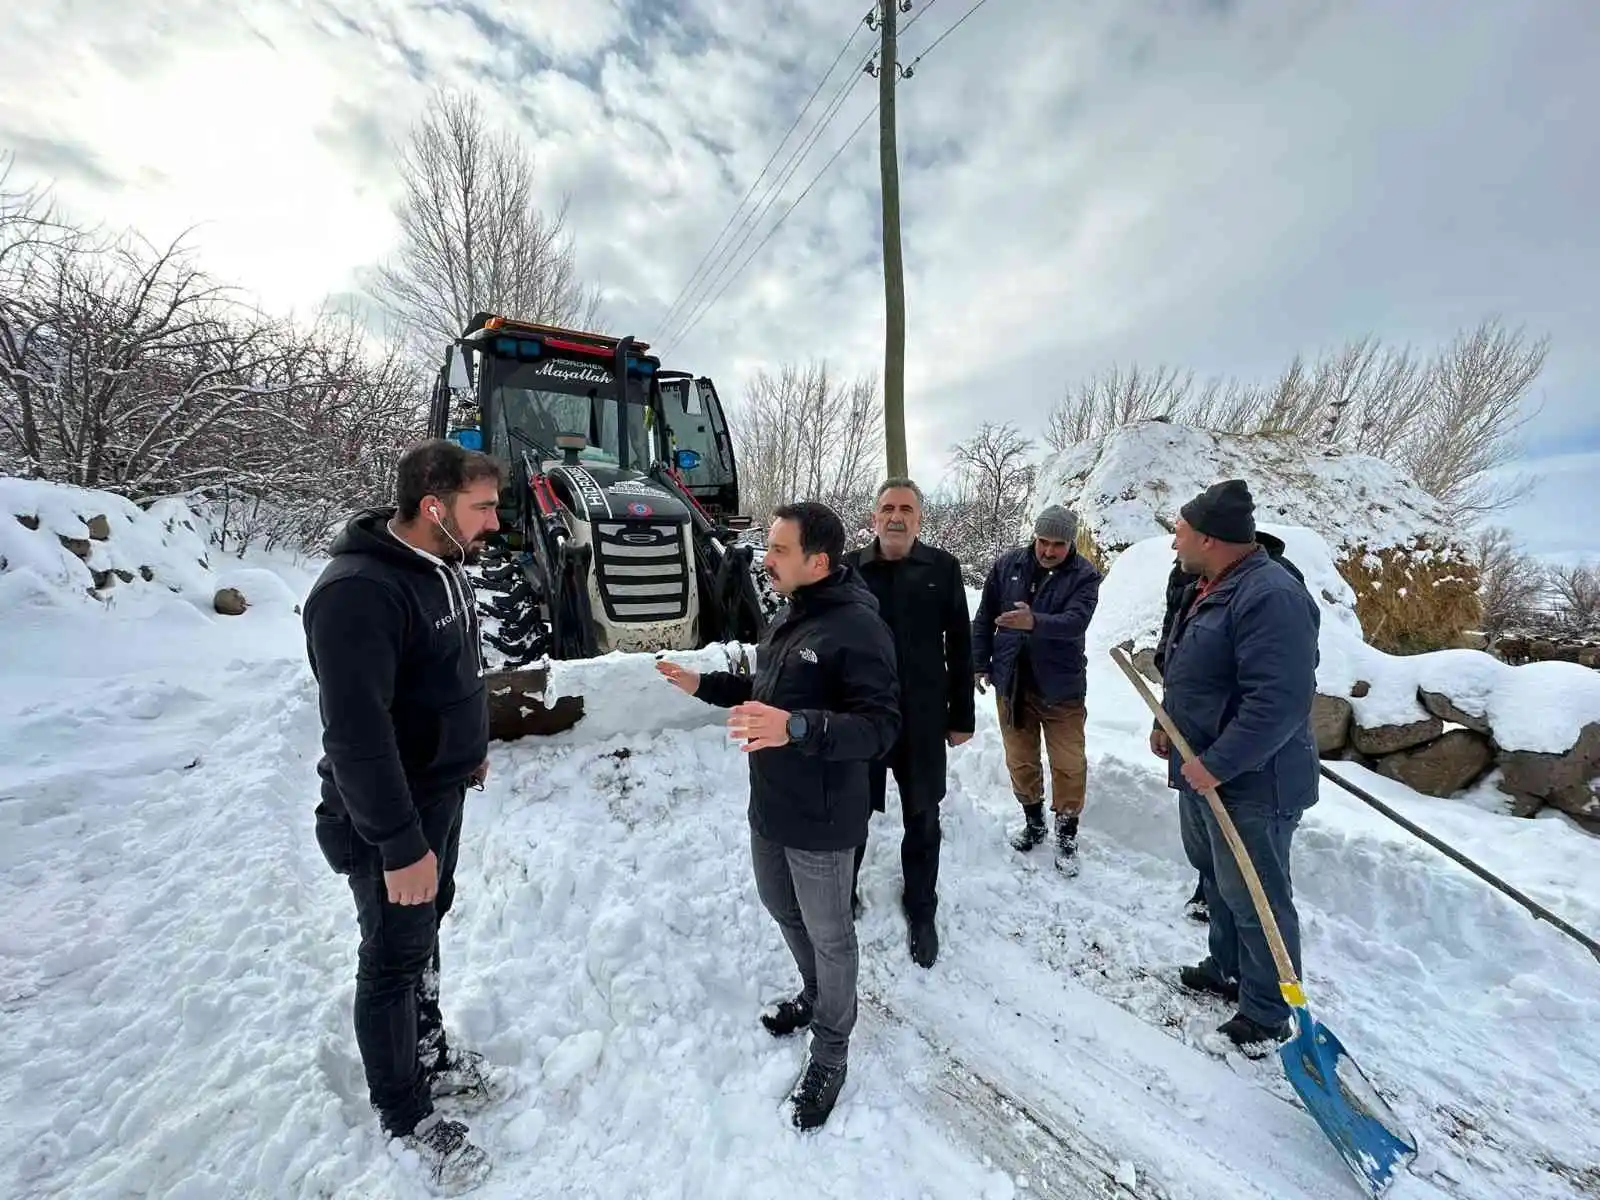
{"points": [[1214, 183], [1556, 522]]}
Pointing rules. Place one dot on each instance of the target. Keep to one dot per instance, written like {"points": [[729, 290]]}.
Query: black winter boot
{"points": [[786, 1016], [453, 1163], [1033, 831], [815, 1093], [1201, 978], [1254, 1039], [923, 940], [1067, 844]]}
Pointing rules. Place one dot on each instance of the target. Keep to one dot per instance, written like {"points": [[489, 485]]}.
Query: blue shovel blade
{"points": [[1363, 1128]]}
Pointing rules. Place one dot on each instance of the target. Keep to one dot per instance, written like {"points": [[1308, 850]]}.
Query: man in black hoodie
{"points": [[393, 640], [823, 704]]}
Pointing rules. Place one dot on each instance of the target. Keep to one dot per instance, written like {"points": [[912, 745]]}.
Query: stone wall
{"points": [[1448, 751], [1517, 649]]}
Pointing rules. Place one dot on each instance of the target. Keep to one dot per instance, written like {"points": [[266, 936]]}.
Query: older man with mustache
{"points": [[1028, 637], [922, 598]]}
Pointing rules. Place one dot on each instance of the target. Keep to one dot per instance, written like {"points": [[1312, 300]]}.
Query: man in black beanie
{"points": [[1180, 593], [1240, 676]]}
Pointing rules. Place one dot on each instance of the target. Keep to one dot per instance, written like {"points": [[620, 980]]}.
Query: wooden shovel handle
{"points": [[1288, 982]]}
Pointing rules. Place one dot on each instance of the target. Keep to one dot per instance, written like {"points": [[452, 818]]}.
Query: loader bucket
{"points": [[517, 706]]}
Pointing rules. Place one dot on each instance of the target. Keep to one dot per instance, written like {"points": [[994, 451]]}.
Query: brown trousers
{"points": [[1062, 727]]}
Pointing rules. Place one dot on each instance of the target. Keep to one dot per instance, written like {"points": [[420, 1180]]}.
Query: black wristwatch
{"points": [[798, 727]]}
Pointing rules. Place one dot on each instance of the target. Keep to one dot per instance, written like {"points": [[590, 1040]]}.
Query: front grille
{"points": [[642, 570]]}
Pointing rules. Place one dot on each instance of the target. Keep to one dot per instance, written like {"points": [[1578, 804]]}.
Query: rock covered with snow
{"points": [[65, 546], [1411, 581], [1128, 485]]}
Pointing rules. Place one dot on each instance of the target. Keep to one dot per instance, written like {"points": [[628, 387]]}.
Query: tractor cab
{"points": [[619, 494], [693, 415]]}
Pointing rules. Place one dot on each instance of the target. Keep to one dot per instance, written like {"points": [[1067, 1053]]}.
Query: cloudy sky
{"points": [[1216, 184]]}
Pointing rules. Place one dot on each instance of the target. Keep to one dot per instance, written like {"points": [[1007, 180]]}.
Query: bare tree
{"points": [[995, 476], [1511, 584], [1577, 598], [124, 367], [1474, 411], [116, 359], [29, 230], [803, 435], [1113, 399], [472, 236], [1450, 421], [346, 416]]}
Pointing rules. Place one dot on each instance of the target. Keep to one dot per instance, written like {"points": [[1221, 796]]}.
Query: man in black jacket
{"points": [[823, 704], [921, 595], [392, 638], [1180, 591]]}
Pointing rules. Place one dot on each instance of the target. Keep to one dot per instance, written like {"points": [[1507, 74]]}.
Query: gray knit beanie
{"points": [[1057, 524]]}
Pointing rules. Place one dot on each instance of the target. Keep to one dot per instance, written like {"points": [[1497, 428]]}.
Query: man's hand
{"points": [[684, 680], [981, 682], [1160, 743], [416, 884], [480, 775], [1020, 617], [759, 726], [958, 739], [1195, 773]]}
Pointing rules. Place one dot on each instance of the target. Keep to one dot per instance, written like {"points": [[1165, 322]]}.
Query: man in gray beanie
{"points": [[1028, 639]]}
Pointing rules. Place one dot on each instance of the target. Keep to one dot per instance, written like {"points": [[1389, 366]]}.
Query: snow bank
{"points": [[1133, 598], [624, 696], [1540, 707], [1122, 482], [65, 547]]}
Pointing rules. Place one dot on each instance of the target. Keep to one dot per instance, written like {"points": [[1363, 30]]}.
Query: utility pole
{"points": [[894, 283]]}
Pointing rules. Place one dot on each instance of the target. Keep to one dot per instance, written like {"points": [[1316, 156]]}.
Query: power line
{"points": [[776, 225], [768, 200], [945, 34], [672, 333], [666, 318], [696, 309], [748, 226]]}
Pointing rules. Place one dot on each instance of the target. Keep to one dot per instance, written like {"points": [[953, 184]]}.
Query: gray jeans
{"points": [[808, 894]]}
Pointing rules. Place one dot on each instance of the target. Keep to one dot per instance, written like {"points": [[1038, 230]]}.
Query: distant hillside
{"points": [[1415, 588]]}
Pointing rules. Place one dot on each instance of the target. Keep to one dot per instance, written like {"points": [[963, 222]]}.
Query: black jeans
{"points": [[919, 845], [399, 1028]]}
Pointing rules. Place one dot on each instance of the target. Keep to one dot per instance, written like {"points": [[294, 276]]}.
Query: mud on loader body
{"points": [[619, 520]]}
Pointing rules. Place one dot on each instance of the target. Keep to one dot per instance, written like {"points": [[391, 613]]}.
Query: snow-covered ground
{"points": [[176, 967]]}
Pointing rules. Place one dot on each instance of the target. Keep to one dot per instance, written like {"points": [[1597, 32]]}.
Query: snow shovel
{"points": [[1366, 1132]]}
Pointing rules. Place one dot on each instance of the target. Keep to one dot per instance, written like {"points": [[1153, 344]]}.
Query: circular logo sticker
{"points": [[640, 509]]}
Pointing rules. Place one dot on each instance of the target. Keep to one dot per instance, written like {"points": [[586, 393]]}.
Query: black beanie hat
{"points": [[1224, 511]]}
